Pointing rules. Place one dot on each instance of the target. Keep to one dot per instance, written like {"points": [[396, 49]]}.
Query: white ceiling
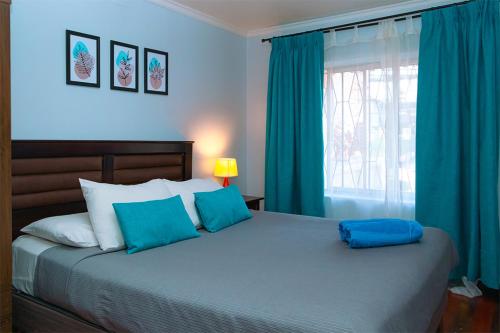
{"points": [[250, 15]]}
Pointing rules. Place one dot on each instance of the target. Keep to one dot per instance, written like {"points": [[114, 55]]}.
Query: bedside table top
{"points": [[251, 198]]}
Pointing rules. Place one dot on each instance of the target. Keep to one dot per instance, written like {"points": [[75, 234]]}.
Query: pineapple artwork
{"points": [[155, 72], [125, 68], [84, 61]]}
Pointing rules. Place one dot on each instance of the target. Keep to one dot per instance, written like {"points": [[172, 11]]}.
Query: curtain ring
{"points": [[355, 37], [380, 30], [410, 28]]}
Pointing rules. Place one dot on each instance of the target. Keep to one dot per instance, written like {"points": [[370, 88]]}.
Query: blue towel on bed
{"points": [[379, 232]]}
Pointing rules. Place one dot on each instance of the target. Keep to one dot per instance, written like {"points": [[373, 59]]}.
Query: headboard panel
{"points": [[44, 181], [45, 173], [130, 169]]}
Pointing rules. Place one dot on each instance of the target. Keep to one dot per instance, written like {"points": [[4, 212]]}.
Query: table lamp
{"points": [[226, 167]]}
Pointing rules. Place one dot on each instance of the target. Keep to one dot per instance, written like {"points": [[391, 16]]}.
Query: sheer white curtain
{"points": [[369, 120]]}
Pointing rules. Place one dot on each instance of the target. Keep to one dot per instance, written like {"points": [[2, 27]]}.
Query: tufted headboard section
{"points": [[45, 173]]}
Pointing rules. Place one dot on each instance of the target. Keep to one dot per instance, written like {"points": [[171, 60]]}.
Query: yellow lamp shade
{"points": [[226, 167]]}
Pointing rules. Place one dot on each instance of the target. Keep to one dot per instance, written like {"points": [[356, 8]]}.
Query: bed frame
{"points": [[45, 183]]}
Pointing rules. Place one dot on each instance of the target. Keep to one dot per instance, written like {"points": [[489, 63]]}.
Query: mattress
{"points": [[272, 273], [25, 252]]}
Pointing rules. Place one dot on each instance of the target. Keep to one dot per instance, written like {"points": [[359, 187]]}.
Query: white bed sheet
{"points": [[25, 252]]}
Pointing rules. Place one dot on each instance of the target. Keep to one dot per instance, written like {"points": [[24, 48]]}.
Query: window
{"points": [[370, 133]]}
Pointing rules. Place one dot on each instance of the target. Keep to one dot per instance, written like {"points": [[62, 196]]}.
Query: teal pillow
{"points": [[154, 223], [221, 208]]}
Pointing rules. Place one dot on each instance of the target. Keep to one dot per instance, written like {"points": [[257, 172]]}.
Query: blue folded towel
{"points": [[379, 232]]}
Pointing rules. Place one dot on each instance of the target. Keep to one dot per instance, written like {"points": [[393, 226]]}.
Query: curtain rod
{"points": [[371, 22]]}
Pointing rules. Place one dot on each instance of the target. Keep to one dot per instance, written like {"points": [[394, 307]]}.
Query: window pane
{"points": [[359, 113]]}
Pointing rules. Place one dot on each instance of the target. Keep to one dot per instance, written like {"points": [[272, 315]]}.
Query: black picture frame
{"points": [[146, 72], [112, 67], [69, 60]]}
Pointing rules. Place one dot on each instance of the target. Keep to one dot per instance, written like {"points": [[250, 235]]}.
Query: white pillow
{"points": [[186, 190], [72, 230], [100, 198]]}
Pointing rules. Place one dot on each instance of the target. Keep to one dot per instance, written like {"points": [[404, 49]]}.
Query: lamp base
{"points": [[226, 182]]}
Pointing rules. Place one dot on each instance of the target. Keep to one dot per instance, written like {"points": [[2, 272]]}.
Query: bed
{"points": [[272, 273]]}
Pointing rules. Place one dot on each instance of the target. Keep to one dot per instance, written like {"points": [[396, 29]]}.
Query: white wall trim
{"points": [[170, 4], [346, 18]]}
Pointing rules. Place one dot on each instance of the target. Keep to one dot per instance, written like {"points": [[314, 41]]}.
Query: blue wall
{"points": [[207, 73]]}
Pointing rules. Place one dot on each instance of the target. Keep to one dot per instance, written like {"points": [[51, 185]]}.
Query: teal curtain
{"points": [[458, 133], [294, 133]]}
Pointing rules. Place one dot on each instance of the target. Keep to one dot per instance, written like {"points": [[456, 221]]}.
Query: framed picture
{"points": [[155, 72], [82, 59], [124, 65]]}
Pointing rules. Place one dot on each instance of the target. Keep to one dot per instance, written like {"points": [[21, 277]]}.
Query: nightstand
{"points": [[252, 202]]}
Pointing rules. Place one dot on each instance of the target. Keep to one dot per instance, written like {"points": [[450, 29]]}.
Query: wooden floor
{"points": [[480, 314]]}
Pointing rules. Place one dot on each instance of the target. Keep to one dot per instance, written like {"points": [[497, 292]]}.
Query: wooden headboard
{"points": [[45, 173]]}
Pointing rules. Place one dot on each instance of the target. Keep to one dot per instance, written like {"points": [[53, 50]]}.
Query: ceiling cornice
{"points": [[170, 4], [346, 18], [312, 24]]}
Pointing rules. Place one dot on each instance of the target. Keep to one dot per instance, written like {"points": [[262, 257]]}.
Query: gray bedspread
{"points": [[272, 273]]}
